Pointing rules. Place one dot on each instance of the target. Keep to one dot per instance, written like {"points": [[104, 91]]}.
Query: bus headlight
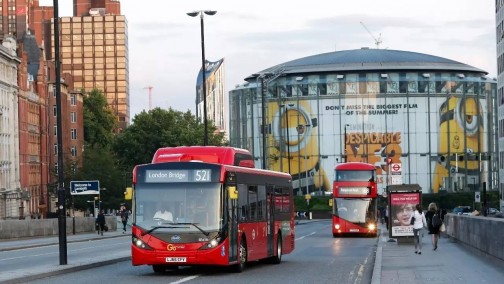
{"points": [[212, 243], [371, 227], [337, 226], [140, 244]]}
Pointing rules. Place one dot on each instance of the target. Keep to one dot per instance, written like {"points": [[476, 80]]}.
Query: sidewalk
{"points": [[450, 263], [13, 244], [50, 269]]}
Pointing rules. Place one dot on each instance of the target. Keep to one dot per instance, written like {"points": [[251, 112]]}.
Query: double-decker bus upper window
{"points": [[343, 175]]}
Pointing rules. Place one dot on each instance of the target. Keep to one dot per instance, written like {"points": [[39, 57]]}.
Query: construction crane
{"points": [[150, 96], [377, 41]]}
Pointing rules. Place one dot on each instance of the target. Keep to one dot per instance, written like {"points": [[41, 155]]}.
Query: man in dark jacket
{"points": [[124, 217], [100, 220]]}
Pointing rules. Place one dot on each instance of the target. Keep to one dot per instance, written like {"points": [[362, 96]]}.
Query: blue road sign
{"points": [[85, 187]]}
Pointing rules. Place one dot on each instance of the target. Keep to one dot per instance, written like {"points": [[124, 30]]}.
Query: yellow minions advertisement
{"points": [[436, 141]]}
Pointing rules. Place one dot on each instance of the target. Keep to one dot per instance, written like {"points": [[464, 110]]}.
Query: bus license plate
{"points": [[176, 259], [354, 230]]}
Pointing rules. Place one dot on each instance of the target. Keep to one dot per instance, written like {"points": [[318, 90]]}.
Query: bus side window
{"points": [[252, 192], [243, 207]]}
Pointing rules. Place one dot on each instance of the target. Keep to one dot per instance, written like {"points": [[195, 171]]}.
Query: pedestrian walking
{"points": [[418, 221], [124, 217], [434, 221], [386, 216], [100, 220]]}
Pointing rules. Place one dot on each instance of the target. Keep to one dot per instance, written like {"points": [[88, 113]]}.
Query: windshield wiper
{"points": [[158, 227], [196, 226], [175, 226]]}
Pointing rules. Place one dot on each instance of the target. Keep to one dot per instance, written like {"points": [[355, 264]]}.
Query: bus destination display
{"points": [[354, 190], [161, 176]]}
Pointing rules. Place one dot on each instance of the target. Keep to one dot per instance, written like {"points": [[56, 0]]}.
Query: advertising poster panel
{"points": [[422, 135], [402, 204]]}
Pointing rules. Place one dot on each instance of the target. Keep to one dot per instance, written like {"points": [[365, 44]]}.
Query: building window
{"points": [[55, 112], [73, 99], [55, 149], [56, 167], [73, 117], [73, 150], [55, 130], [73, 133]]}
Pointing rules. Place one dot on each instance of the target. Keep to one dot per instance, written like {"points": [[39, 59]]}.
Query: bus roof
{"points": [[355, 166], [209, 154], [240, 169]]}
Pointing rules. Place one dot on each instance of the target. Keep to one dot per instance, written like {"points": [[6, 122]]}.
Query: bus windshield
{"points": [[178, 207], [355, 210], [354, 175]]}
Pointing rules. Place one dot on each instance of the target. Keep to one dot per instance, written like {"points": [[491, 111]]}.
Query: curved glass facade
{"points": [[438, 128]]}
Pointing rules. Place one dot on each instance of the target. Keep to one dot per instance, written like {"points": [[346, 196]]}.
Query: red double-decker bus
{"points": [[194, 212], [355, 199], [211, 154]]}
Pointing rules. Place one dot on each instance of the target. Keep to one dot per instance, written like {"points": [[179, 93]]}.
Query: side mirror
{"points": [[128, 194], [232, 192]]}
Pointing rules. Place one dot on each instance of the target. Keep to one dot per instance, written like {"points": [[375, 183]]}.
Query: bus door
{"points": [[270, 211], [232, 208]]}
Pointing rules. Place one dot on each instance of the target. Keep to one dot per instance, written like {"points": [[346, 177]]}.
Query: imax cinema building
{"points": [[433, 119]]}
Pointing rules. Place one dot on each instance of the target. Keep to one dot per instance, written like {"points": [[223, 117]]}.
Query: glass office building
{"points": [[432, 118]]}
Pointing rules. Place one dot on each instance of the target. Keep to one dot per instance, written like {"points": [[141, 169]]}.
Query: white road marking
{"points": [[300, 238], [185, 279], [360, 272]]}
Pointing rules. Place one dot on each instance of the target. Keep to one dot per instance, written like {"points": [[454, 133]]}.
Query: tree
{"points": [[99, 120], [160, 128], [98, 161]]}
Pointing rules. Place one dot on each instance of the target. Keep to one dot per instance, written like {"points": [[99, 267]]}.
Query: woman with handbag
{"points": [[434, 223], [418, 221]]}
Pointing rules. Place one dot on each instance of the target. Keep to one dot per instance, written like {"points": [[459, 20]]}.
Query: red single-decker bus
{"points": [[355, 199], [189, 213]]}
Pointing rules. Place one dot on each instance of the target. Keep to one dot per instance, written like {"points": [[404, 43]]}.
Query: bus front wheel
{"points": [[278, 257], [242, 257], [158, 268]]}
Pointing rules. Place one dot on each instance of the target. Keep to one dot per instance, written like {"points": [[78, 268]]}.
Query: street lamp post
{"points": [[63, 255], [99, 198], [344, 144], [287, 142], [203, 69]]}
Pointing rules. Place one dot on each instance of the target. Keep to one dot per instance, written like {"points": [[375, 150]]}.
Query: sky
{"points": [[165, 43]]}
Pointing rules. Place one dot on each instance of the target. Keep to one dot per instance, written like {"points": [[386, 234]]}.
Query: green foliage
{"points": [[317, 203], [99, 119], [445, 200], [156, 129], [100, 164], [98, 161], [451, 200]]}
